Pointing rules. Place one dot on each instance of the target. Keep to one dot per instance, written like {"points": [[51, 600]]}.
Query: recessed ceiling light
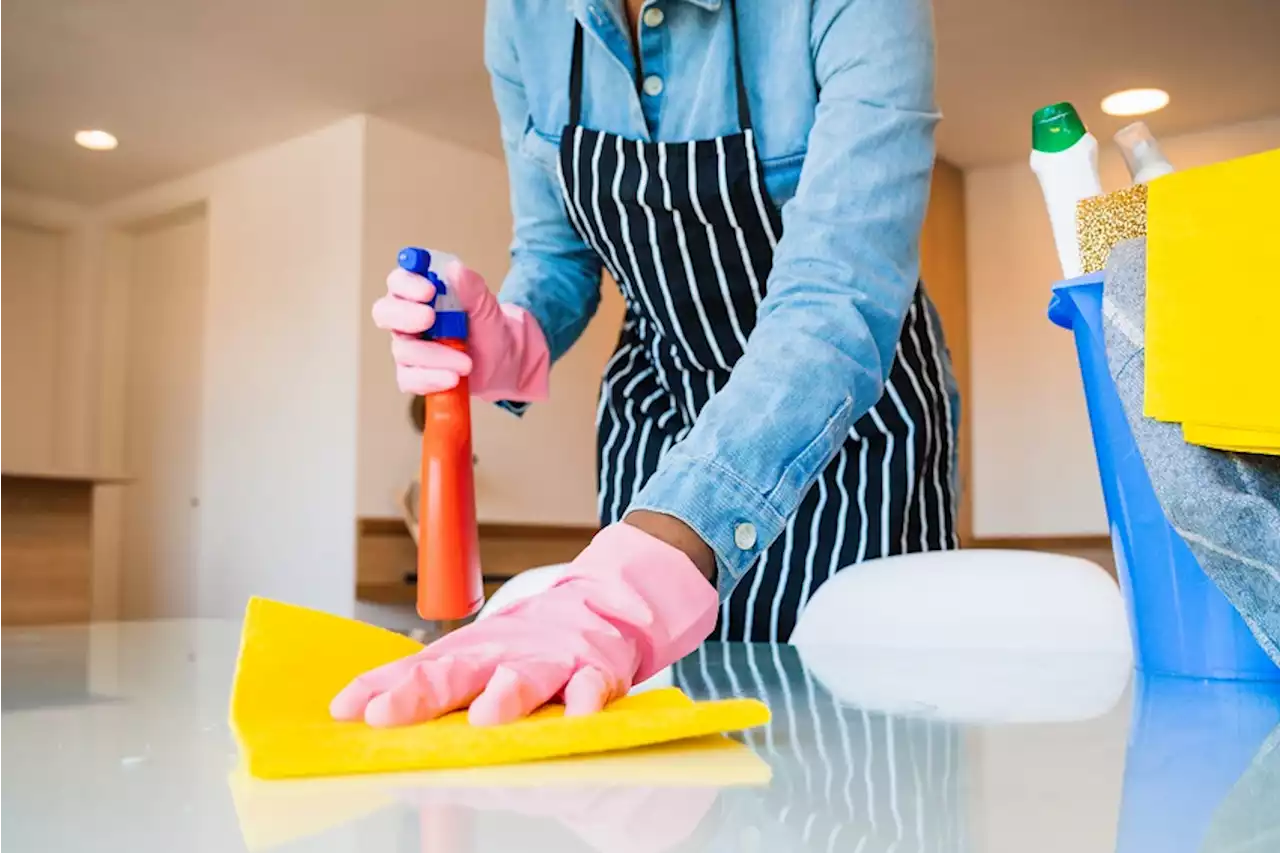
{"points": [[1135, 102], [96, 140]]}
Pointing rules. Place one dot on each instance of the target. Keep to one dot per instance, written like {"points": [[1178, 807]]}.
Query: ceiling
{"points": [[999, 60], [187, 83]]}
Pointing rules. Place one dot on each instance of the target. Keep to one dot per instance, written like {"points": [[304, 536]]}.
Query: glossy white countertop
{"points": [[115, 739]]}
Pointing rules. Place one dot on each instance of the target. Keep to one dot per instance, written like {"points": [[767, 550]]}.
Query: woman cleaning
{"points": [[780, 404]]}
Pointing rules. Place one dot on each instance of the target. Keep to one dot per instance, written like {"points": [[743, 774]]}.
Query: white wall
{"points": [[537, 469], [302, 428], [50, 318], [281, 325], [32, 297], [1034, 472]]}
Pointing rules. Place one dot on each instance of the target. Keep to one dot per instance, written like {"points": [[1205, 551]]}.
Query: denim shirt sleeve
{"points": [[554, 275], [844, 274]]}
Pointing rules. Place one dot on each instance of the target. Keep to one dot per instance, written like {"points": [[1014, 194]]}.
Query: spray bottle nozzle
{"points": [[415, 260], [451, 319], [1142, 153]]}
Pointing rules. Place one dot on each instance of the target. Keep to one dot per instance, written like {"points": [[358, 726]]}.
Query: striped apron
{"points": [[688, 232]]}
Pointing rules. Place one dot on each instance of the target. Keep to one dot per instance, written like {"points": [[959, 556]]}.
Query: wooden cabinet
{"points": [[48, 554], [943, 265]]}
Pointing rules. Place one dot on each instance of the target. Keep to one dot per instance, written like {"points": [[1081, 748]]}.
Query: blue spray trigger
{"points": [[418, 262], [451, 319], [415, 260]]}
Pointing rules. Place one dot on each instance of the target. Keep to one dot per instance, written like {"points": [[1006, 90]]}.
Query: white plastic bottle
{"points": [[1142, 153], [1064, 156]]}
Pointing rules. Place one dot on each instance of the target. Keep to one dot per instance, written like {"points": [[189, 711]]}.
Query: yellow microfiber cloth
{"points": [[1238, 440], [1213, 295], [294, 660]]}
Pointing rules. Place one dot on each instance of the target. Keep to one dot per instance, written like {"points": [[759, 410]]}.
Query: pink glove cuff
{"points": [[524, 372], [650, 591]]}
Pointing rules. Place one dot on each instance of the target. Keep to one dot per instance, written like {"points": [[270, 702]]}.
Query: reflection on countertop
{"points": [[142, 761]]}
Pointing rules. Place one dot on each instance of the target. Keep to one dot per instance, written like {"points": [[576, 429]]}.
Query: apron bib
{"points": [[688, 232]]}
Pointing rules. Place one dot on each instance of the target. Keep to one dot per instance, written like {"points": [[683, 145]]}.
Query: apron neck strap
{"points": [[744, 108], [575, 75]]}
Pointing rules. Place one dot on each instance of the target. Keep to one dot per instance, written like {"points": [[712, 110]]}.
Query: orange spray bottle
{"points": [[450, 585]]}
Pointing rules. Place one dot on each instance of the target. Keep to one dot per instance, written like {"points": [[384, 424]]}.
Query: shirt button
{"points": [[653, 17], [744, 536], [653, 85]]}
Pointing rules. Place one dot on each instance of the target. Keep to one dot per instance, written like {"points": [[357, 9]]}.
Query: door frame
{"points": [[115, 317]]}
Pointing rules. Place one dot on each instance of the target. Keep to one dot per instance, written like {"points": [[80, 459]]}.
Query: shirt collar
{"points": [[581, 6]]}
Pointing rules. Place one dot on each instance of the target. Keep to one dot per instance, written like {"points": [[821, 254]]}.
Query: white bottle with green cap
{"points": [[1064, 156]]}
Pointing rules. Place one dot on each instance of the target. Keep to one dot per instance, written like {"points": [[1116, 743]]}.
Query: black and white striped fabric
{"points": [[844, 778], [688, 231]]}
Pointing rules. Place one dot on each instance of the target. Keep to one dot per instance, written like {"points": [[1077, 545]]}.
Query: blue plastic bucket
{"points": [[1181, 624]]}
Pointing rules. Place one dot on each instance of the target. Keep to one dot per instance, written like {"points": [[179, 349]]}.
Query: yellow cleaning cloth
{"points": [[294, 660], [1213, 296], [1239, 440]]}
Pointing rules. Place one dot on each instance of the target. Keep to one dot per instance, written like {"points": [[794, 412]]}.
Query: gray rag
{"points": [[1226, 506]]}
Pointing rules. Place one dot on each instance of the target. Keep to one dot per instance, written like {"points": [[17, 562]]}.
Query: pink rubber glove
{"points": [[507, 356], [629, 605]]}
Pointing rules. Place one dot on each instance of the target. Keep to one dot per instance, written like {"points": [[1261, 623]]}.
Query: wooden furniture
{"points": [[385, 555], [47, 575], [943, 265]]}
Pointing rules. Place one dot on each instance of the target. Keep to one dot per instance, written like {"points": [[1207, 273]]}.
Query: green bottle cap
{"points": [[1056, 128]]}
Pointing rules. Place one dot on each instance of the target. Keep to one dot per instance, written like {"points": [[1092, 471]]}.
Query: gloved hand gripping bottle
{"points": [[450, 585]]}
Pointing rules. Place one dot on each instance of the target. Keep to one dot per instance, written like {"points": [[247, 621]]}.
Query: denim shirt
{"points": [[841, 97]]}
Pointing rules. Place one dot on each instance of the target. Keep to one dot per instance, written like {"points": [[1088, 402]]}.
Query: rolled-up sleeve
{"points": [[843, 277], [554, 275]]}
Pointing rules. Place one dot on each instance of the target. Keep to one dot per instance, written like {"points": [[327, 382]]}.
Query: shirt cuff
{"points": [[517, 409], [737, 522]]}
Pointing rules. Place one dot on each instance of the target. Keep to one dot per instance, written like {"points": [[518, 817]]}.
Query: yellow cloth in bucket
{"points": [[1213, 294], [294, 660], [1239, 440]]}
